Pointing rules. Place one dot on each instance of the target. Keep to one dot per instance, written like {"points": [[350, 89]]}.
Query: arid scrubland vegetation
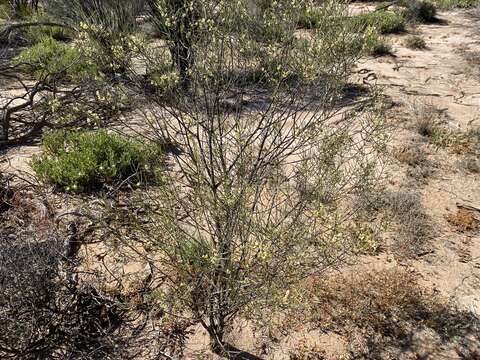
{"points": [[244, 179]]}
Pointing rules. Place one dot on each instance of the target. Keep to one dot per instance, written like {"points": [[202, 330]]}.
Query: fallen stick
{"points": [[468, 207]]}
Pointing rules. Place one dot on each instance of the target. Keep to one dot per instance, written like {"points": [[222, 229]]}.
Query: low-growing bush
{"points": [[380, 312], [419, 11], [81, 161], [414, 226], [404, 211], [385, 22], [415, 43], [37, 33], [51, 58], [419, 167], [379, 47]]}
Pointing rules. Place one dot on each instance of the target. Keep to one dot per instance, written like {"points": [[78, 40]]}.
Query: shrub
{"points": [[386, 22], [5, 11], [426, 117], [51, 58], [420, 11], [310, 18], [378, 47], [415, 157], [416, 43], [79, 161], [410, 155], [455, 140], [404, 210]]}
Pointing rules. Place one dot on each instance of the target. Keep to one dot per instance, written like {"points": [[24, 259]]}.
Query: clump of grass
{"points": [[379, 311], [410, 155], [414, 226], [425, 116], [456, 141], [415, 43], [385, 22], [83, 161], [403, 210], [380, 48], [414, 156], [430, 125]]}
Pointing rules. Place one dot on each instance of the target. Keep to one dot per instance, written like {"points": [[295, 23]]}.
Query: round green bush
{"points": [[85, 160]]}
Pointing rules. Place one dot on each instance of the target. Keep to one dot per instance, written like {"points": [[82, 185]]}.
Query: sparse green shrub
{"points": [[366, 238], [386, 22], [103, 104], [415, 43], [51, 58], [164, 82], [419, 11], [81, 161]]}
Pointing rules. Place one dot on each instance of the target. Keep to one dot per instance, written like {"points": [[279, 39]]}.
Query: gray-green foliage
{"points": [[109, 25], [267, 155]]}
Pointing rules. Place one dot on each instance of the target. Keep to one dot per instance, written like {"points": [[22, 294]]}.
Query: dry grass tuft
{"points": [[420, 168], [470, 163], [415, 42], [463, 220], [410, 155], [307, 351], [379, 311]]}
